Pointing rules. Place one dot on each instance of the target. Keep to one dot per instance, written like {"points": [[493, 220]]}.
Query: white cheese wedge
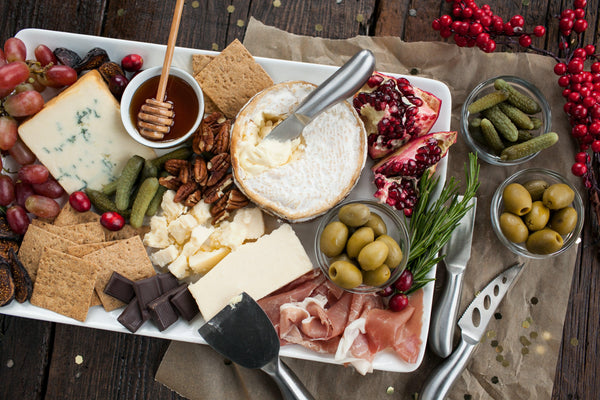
{"points": [[79, 136], [257, 268], [158, 237], [170, 209], [247, 224], [203, 261], [181, 228], [179, 267], [165, 256]]}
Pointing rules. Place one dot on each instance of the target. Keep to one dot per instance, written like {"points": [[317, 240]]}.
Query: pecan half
{"points": [[173, 166], [236, 199], [184, 191], [221, 144], [193, 198], [185, 174], [170, 182], [217, 191], [218, 167], [199, 171]]}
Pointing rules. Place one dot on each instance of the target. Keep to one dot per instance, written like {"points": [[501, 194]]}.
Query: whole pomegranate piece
{"points": [[394, 112]]}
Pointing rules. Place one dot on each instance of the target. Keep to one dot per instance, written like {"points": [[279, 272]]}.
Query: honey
{"points": [[179, 93]]}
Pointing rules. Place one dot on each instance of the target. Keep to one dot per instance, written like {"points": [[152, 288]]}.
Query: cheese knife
{"points": [[473, 324], [458, 253], [342, 84]]}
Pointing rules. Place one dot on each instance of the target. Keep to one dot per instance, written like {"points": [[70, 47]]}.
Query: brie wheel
{"points": [[299, 179]]}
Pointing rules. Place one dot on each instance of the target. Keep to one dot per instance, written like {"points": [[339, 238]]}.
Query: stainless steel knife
{"points": [[339, 86], [473, 324], [458, 252]]}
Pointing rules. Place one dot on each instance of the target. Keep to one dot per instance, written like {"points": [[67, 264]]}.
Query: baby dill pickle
{"points": [[518, 117], [518, 99], [103, 203], [524, 135], [110, 188], [157, 199], [487, 101], [529, 147], [537, 123], [502, 123], [127, 180], [491, 135], [475, 123], [149, 170], [145, 195], [180, 153]]}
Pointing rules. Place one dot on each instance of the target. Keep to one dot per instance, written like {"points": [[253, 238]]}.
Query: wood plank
{"points": [[113, 366], [25, 349]]}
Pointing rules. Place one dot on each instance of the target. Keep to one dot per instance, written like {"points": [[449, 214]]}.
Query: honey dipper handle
{"points": [[164, 76]]}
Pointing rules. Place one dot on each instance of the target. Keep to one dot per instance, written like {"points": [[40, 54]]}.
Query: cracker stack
{"points": [[72, 259]]}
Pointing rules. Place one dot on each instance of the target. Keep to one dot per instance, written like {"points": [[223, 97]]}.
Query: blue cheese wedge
{"points": [[79, 136]]}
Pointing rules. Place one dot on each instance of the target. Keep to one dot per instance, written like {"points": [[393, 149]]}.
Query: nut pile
{"points": [[206, 175]]}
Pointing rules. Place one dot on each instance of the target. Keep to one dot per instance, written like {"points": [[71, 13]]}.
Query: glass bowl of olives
{"points": [[537, 213], [362, 246], [501, 116]]}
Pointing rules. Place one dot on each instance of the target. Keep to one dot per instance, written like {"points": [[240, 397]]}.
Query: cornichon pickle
{"points": [[502, 123], [518, 99], [127, 180], [518, 117], [487, 101], [524, 135], [475, 123], [181, 153], [145, 195], [110, 188], [529, 147], [149, 170], [491, 135], [103, 203], [537, 123]]}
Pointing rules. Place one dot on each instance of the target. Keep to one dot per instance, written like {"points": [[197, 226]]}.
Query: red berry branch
{"points": [[470, 25]]}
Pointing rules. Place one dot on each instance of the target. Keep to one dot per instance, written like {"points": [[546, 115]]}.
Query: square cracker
{"points": [[199, 61], [69, 216], [127, 257], [33, 244], [88, 232], [126, 232], [81, 250], [64, 284], [232, 78]]}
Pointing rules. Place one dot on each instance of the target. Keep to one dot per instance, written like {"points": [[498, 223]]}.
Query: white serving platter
{"points": [[279, 70]]}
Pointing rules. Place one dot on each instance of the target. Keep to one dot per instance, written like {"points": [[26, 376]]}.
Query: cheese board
{"points": [[280, 71]]}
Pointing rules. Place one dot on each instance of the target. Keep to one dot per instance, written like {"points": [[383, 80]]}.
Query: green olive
{"points": [[376, 223], [394, 257], [333, 238], [545, 241], [513, 227], [536, 188], [345, 274], [558, 196], [354, 215], [359, 239], [538, 217], [517, 199], [341, 257], [372, 255], [564, 220], [377, 276]]}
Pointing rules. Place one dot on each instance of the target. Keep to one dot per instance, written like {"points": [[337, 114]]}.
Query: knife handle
{"points": [[339, 86], [443, 320], [441, 380], [290, 386]]}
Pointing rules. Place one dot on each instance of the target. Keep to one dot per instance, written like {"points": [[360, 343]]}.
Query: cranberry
{"points": [[560, 68], [567, 14], [564, 81], [582, 157], [445, 20], [596, 146], [436, 24], [112, 221], [132, 62], [525, 40], [517, 21], [579, 130], [539, 31], [565, 26], [578, 169], [386, 291], [579, 13], [579, 53], [575, 66], [580, 25], [594, 128], [398, 302], [405, 281], [80, 201], [580, 3]]}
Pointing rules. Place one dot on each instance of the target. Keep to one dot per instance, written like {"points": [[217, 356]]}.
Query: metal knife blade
{"points": [[339, 86], [473, 324], [458, 253]]}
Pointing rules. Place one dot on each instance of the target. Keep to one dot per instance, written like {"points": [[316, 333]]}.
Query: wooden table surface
{"points": [[37, 358]]}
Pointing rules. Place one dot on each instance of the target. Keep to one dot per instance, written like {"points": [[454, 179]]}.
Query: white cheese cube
{"points": [[181, 228], [202, 212], [203, 261], [158, 237], [170, 209], [179, 267], [165, 256], [247, 224]]}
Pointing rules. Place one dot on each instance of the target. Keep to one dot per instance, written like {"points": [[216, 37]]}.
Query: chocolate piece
{"points": [[146, 290], [120, 287], [167, 282], [162, 312], [185, 304], [131, 318]]}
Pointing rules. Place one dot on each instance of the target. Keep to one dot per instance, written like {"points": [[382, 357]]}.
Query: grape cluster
{"points": [[471, 25]]}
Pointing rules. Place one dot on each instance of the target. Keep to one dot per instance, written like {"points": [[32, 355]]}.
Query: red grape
{"points": [[24, 104], [22, 192], [7, 190], [12, 74], [15, 50], [21, 153], [112, 221], [2, 58], [51, 188], [24, 87], [132, 62], [80, 201], [33, 173], [117, 85], [17, 219], [59, 75], [44, 55], [8, 132], [42, 206]]}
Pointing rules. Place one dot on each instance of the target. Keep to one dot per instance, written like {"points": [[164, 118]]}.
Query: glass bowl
{"points": [[396, 228], [476, 141], [551, 177]]}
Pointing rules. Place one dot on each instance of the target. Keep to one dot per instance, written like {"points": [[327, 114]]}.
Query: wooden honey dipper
{"points": [[156, 115]]}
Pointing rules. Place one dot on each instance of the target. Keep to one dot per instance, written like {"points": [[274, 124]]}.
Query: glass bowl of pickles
{"points": [[362, 246], [506, 120]]}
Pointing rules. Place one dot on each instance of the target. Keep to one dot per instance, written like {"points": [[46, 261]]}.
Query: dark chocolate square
{"points": [[146, 290], [131, 317], [120, 287], [167, 282], [162, 312], [185, 304]]}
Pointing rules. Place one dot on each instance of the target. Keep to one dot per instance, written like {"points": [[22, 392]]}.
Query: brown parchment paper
{"points": [[517, 358]]}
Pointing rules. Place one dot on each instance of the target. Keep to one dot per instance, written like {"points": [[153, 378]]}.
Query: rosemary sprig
{"points": [[434, 220]]}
